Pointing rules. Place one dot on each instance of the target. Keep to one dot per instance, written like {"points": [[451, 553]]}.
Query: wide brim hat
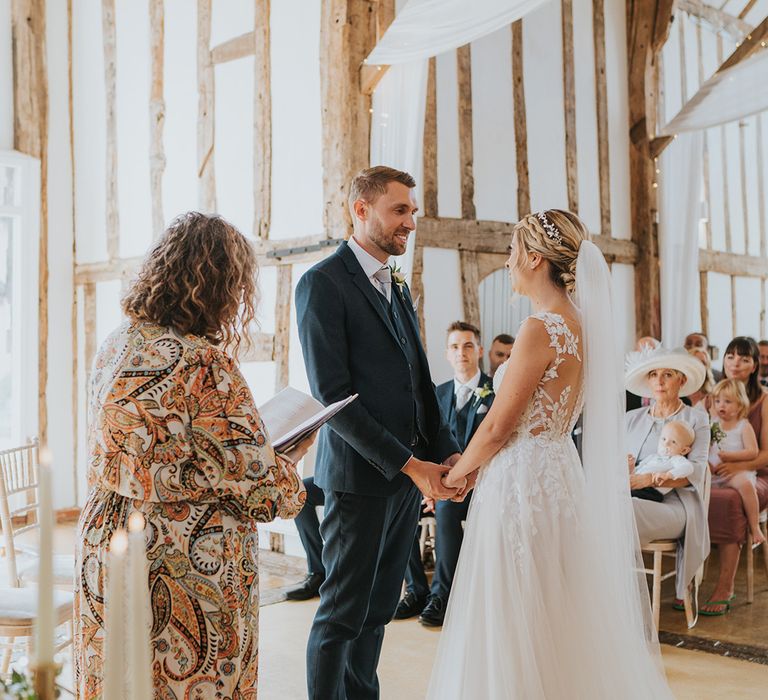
{"points": [[639, 364]]}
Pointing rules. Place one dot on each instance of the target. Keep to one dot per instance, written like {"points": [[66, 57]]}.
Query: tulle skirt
{"points": [[525, 619]]}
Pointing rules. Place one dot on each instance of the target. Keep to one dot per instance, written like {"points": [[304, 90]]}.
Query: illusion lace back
{"points": [[522, 620]]}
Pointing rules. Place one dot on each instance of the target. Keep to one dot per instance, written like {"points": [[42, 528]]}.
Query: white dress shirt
{"points": [[471, 385], [370, 267]]}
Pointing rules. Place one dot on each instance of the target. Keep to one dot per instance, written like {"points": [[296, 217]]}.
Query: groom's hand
{"points": [[427, 477]]}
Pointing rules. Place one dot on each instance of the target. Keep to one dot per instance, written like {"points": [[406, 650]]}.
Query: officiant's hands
{"points": [[297, 452], [427, 477]]}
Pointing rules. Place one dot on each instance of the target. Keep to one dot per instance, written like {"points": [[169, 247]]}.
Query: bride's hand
{"points": [[452, 482]]}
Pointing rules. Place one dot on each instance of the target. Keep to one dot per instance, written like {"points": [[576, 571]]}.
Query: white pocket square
{"points": [[482, 409]]}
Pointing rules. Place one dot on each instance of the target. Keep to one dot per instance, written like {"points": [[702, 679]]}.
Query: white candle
{"points": [[139, 650], [45, 622], [114, 619]]}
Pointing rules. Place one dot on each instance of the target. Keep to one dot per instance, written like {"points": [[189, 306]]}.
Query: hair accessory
{"points": [[549, 228]]}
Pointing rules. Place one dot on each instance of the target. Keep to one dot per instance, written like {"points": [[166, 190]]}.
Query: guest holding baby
{"points": [[677, 510]]}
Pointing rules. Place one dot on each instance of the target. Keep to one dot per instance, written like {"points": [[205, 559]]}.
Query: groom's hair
{"points": [[371, 183], [464, 326]]}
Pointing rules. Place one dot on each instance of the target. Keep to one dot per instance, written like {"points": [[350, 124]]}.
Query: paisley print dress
{"points": [[174, 434]]}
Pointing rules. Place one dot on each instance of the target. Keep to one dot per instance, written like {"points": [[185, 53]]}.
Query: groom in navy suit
{"points": [[376, 458], [465, 401]]}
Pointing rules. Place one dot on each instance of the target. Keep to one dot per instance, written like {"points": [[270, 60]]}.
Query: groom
{"points": [[359, 334]]}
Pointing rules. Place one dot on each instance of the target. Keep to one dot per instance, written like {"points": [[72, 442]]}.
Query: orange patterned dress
{"points": [[174, 433]]}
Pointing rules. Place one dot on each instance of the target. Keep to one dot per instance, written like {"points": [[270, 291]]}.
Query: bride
{"points": [[547, 602]]}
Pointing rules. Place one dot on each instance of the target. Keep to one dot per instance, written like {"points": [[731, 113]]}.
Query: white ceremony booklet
{"points": [[291, 415]]}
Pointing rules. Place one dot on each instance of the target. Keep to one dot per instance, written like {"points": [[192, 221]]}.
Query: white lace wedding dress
{"points": [[524, 619]]}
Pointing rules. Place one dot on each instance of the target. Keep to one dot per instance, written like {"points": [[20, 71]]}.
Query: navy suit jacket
{"points": [[350, 347], [445, 394]]}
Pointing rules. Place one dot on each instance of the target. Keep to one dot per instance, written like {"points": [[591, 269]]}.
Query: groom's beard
{"points": [[387, 241]]}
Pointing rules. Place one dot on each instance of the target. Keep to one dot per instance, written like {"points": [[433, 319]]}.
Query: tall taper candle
{"points": [[139, 651], [45, 622], [115, 642]]}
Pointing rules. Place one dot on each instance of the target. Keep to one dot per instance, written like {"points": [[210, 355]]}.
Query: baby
{"points": [[669, 462]]}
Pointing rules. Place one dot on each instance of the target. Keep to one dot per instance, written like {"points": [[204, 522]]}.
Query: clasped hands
{"points": [[435, 482]]}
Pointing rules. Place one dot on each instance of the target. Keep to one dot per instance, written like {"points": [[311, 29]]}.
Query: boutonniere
{"points": [[397, 276], [483, 392], [716, 433]]}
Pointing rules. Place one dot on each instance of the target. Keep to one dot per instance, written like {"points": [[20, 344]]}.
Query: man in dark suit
{"points": [[360, 335], [464, 401]]}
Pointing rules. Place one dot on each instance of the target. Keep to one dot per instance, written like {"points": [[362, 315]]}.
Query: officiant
{"points": [[464, 401]]}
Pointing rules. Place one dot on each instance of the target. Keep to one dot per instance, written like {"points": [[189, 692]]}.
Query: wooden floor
{"points": [[409, 649]]}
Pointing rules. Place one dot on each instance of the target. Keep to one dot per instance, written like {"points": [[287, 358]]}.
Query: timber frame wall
{"points": [[349, 30]]}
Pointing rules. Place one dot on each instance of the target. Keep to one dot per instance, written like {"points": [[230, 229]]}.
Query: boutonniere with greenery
{"points": [[20, 687], [716, 433], [397, 276], [483, 392]]}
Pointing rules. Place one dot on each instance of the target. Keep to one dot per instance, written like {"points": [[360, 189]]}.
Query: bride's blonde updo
{"points": [[556, 235]]}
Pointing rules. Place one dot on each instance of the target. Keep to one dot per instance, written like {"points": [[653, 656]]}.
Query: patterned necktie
{"points": [[384, 279], [462, 396]]}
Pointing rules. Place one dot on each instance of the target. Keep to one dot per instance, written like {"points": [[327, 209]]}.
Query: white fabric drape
{"points": [[735, 93], [425, 28], [680, 216], [397, 128]]}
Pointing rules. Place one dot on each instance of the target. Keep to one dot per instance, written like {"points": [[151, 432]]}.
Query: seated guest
{"points": [[632, 400], [499, 352], [465, 401], [699, 341], [727, 518], [763, 376], [701, 398], [665, 376], [309, 531]]}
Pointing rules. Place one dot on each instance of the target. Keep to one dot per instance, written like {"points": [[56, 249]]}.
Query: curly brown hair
{"points": [[200, 278]]}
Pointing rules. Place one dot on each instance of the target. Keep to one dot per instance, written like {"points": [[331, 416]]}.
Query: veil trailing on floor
{"points": [[623, 614]]}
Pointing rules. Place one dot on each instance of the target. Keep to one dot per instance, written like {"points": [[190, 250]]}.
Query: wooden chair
{"points": [[661, 548], [428, 532], [18, 473], [18, 606], [751, 547]]}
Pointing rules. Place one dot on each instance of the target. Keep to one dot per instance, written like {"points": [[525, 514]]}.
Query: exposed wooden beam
{"points": [[704, 302], [237, 47], [494, 237], [105, 271], [157, 114], [205, 109], [705, 145], [347, 35], [430, 143], [747, 8], [601, 98], [754, 41], [761, 189], [744, 194], [470, 286], [521, 127], [30, 136], [109, 32], [569, 106], [466, 156], [370, 77], [648, 24], [417, 288], [89, 325], [262, 122], [717, 20], [283, 325], [724, 170], [658, 144], [733, 264]]}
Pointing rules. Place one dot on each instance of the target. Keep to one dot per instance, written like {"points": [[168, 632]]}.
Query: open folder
{"points": [[291, 415]]}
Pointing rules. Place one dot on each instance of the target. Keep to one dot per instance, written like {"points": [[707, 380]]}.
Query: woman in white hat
{"points": [[665, 376]]}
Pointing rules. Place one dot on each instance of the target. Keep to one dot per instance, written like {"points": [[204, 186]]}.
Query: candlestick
{"points": [[45, 622], [114, 647], [139, 650]]}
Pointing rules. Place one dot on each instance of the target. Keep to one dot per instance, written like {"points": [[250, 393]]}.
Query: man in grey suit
{"points": [[359, 334]]}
